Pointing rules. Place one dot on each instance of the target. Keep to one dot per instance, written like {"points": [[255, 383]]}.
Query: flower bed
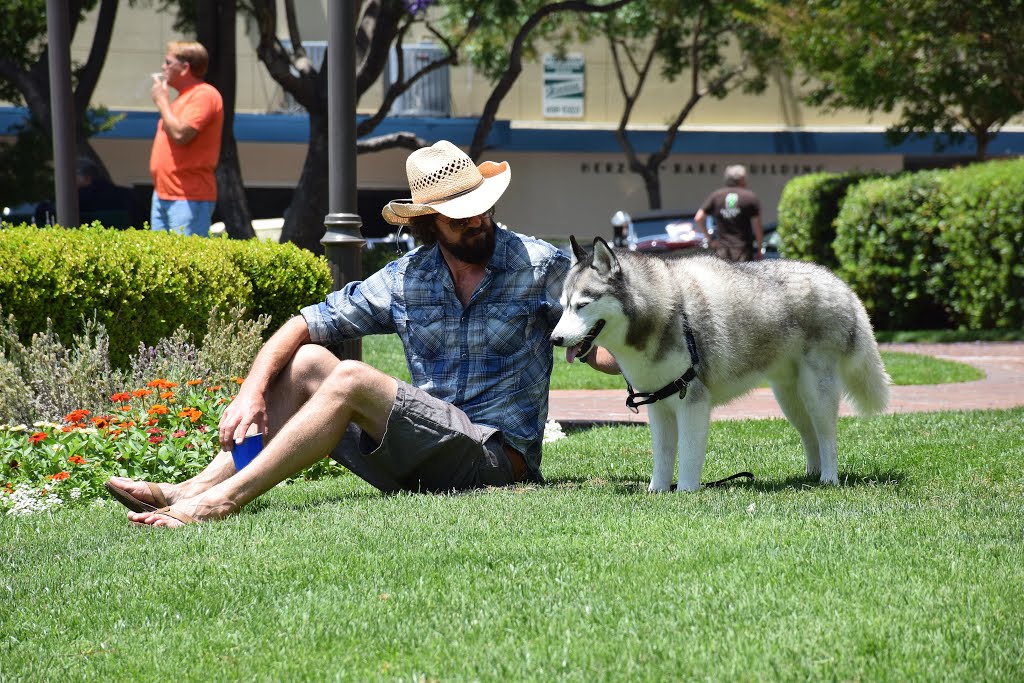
{"points": [[162, 432]]}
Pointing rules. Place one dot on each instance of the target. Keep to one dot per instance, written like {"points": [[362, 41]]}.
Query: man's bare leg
{"points": [[351, 392], [290, 390]]}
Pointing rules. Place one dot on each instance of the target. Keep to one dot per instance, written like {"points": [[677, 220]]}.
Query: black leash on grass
{"points": [[723, 482]]}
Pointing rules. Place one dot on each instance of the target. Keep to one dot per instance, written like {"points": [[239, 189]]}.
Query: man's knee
{"points": [[361, 388]]}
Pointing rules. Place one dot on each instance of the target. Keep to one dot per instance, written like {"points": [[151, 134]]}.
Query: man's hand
{"points": [[158, 91], [249, 408]]}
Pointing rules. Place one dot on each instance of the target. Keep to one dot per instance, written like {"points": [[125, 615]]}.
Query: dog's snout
{"points": [[558, 340]]}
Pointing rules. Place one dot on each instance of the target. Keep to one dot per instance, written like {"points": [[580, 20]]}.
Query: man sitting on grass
{"points": [[474, 308]]}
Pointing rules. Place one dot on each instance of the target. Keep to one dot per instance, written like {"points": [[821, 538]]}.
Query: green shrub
{"points": [[886, 246], [143, 285], [937, 248], [807, 211], [982, 241]]}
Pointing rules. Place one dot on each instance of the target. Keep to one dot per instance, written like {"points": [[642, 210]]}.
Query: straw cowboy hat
{"points": [[443, 179]]}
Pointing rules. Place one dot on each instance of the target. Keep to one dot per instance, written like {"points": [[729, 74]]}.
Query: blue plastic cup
{"points": [[243, 453]]}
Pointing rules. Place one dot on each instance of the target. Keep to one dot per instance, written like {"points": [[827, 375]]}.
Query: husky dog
{"points": [[692, 333]]}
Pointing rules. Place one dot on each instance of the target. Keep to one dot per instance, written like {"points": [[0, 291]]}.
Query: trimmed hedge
{"points": [[885, 244], [982, 238], [937, 248], [143, 285], [807, 210]]}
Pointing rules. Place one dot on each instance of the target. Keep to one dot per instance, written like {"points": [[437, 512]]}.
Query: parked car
{"points": [[772, 241], [659, 231]]}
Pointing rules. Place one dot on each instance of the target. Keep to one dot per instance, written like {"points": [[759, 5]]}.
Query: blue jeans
{"points": [[182, 216]]}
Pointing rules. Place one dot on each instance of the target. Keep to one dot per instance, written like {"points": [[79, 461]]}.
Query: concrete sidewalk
{"points": [[1002, 387]]}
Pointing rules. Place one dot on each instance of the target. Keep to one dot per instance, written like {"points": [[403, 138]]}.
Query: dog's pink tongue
{"points": [[570, 354]]}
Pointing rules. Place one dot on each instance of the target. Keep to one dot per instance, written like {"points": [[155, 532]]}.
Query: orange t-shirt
{"points": [[186, 171]]}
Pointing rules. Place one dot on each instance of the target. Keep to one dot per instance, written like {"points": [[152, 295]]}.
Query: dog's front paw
{"points": [[659, 487]]}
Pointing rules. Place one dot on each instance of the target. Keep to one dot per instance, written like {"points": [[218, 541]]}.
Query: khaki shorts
{"points": [[429, 445]]}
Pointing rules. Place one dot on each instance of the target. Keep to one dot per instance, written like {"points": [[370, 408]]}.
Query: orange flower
{"points": [[125, 409], [191, 413], [213, 388], [166, 395], [161, 383], [238, 380], [194, 382], [67, 428], [152, 422], [158, 409], [141, 393], [60, 476], [122, 397], [76, 416], [37, 437], [101, 422], [77, 460]]}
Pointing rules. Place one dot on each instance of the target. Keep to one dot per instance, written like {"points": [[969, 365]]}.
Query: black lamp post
{"points": [[342, 240], [62, 112]]}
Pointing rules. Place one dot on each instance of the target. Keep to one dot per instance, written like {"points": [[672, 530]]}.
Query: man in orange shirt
{"points": [[187, 143]]}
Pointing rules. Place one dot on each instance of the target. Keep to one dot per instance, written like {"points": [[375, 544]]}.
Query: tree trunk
{"points": [[215, 29], [304, 217], [652, 183]]}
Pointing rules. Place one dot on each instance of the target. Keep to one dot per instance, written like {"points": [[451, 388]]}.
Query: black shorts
{"points": [[429, 445]]}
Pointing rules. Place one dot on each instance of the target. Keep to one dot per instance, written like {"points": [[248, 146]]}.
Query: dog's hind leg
{"points": [[819, 390], [787, 395], [664, 434], [694, 422]]}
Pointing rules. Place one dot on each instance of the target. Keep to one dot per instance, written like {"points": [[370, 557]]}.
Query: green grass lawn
{"points": [[911, 570], [385, 353]]}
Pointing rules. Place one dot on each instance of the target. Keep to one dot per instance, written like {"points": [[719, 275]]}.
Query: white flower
{"points": [[553, 431], [27, 500], [18, 428]]}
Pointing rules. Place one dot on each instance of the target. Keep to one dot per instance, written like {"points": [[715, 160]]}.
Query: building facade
{"points": [[556, 129]]}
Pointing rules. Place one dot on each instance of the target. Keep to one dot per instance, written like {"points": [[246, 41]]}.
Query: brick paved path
{"points": [[1002, 387]]}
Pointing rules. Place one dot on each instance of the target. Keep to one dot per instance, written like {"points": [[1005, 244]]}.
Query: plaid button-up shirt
{"points": [[492, 358]]}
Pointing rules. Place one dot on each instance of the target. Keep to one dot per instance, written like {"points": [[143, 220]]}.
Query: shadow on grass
{"points": [[629, 486]]}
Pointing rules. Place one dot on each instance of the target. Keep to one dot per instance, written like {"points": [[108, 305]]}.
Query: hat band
{"points": [[456, 195]]}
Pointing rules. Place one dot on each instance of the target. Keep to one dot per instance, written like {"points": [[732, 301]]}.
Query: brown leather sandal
{"points": [[133, 503]]}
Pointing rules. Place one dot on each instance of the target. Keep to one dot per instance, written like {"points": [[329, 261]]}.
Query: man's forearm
{"points": [[277, 353]]}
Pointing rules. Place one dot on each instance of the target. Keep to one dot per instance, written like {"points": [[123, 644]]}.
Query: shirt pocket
{"points": [[507, 327], [424, 330]]}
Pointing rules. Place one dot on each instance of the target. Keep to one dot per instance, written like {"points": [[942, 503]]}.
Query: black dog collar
{"points": [[679, 385]]}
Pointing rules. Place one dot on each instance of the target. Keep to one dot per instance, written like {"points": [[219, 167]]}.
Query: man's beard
{"points": [[474, 245]]}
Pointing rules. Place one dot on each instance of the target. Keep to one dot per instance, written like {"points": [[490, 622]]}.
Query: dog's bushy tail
{"points": [[864, 377]]}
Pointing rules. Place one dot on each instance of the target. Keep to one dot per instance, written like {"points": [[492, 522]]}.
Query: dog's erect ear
{"points": [[578, 252], [604, 259]]}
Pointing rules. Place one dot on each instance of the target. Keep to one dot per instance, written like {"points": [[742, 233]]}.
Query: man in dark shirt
{"points": [[737, 214]]}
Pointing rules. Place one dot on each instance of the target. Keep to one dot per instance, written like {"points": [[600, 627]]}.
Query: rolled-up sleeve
{"points": [[356, 310]]}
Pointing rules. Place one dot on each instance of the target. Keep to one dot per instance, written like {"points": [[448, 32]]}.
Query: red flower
{"points": [[76, 416], [60, 476], [121, 397], [153, 430], [77, 460], [178, 434], [155, 439], [37, 437]]}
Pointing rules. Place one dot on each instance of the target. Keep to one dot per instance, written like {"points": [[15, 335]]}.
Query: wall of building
{"points": [[569, 175]]}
